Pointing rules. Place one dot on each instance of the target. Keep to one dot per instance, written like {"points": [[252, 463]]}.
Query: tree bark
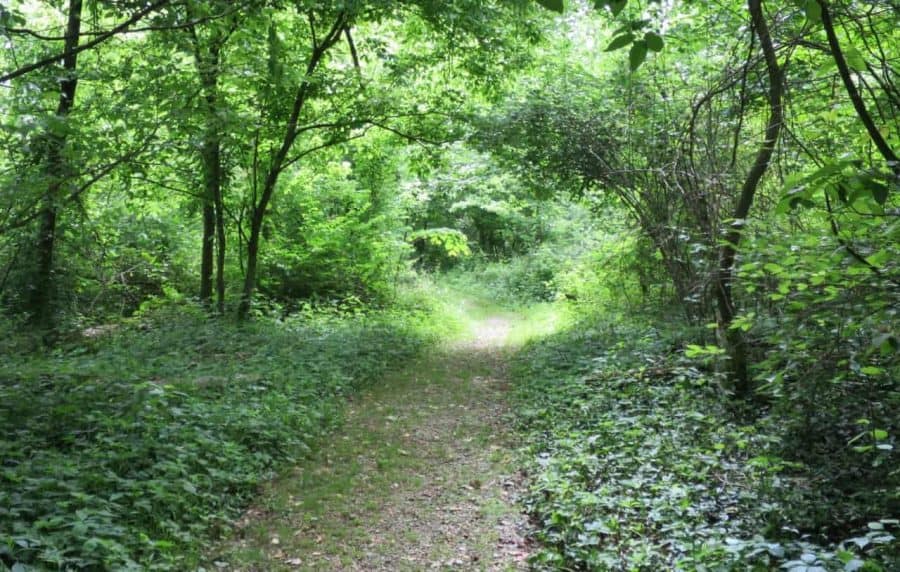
{"points": [[206, 250], [220, 252], [250, 270], [41, 300], [734, 339]]}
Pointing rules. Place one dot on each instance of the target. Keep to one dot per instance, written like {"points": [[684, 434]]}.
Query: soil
{"points": [[420, 476]]}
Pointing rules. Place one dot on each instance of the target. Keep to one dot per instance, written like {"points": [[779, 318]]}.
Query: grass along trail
{"points": [[419, 477]]}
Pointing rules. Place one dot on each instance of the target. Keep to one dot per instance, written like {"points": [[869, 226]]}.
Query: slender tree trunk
{"points": [[41, 298], [212, 250], [41, 302], [220, 252], [858, 104], [213, 224], [252, 258], [278, 160], [733, 338], [206, 251]]}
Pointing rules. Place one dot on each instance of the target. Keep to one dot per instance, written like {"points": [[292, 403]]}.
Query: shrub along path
{"points": [[419, 477]]}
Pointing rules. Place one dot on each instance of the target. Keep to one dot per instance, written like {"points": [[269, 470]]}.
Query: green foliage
{"points": [[556, 266], [450, 242], [523, 280], [127, 449], [177, 121], [467, 203], [639, 463], [339, 146], [830, 376], [334, 230], [625, 36]]}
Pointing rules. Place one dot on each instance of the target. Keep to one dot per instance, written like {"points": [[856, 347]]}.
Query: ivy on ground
{"points": [[126, 453], [638, 462]]}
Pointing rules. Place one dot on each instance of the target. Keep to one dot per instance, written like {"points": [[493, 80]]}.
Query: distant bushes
{"points": [[525, 279]]}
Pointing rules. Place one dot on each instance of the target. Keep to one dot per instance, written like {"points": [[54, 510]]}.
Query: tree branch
{"points": [[98, 40], [99, 174]]}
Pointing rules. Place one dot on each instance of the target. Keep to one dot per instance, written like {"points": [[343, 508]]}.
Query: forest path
{"points": [[419, 477]]}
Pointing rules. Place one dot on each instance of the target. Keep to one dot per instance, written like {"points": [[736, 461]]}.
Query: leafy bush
{"points": [[825, 333], [335, 232], [532, 277], [528, 278], [639, 462], [125, 450], [468, 203]]}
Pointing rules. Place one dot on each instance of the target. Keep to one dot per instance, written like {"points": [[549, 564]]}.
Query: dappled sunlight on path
{"points": [[491, 333]]}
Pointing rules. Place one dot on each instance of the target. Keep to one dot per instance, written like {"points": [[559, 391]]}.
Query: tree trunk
{"points": [[213, 242], [213, 223], [732, 338], [220, 252], [252, 258], [41, 298], [206, 250], [858, 104]]}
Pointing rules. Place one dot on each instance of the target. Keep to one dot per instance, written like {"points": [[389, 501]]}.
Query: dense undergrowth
{"points": [[126, 450], [639, 462]]}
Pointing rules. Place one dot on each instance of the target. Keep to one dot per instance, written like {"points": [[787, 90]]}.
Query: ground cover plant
{"points": [[638, 463], [127, 450]]}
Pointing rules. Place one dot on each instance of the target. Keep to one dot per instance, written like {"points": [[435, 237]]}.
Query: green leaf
{"points": [[813, 11], [555, 5], [855, 59], [693, 350], [637, 54], [10, 18], [827, 170], [887, 344], [879, 191], [654, 41], [620, 42], [880, 258]]}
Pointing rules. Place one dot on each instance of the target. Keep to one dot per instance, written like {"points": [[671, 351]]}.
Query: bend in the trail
{"points": [[419, 477]]}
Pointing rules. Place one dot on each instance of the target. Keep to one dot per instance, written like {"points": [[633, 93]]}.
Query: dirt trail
{"points": [[419, 477]]}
